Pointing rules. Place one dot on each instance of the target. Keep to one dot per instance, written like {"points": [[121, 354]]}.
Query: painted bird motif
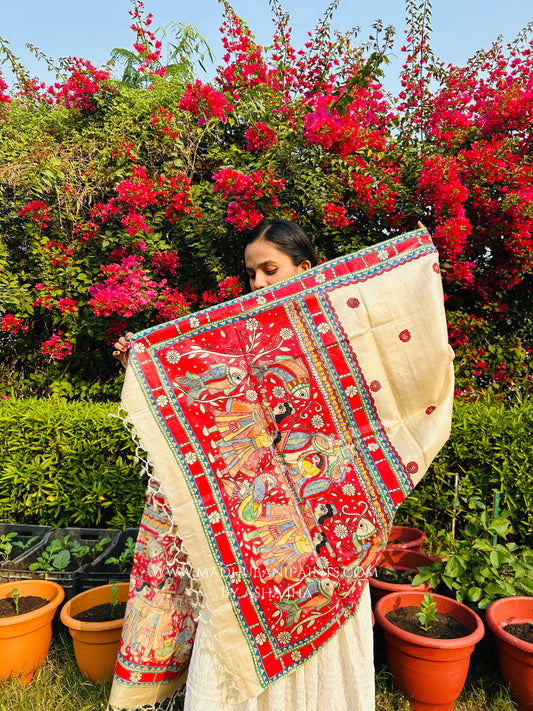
{"points": [[218, 378], [316, 595]]}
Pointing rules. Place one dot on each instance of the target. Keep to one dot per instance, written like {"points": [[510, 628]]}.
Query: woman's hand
{"points": [[122, 348]]}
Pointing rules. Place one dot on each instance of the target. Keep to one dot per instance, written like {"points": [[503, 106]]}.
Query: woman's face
{"points": [[266, 264]]}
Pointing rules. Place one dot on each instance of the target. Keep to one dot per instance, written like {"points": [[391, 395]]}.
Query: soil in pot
{"points": [[27, 603], [102, 613], [444, 627], [523, 631]]}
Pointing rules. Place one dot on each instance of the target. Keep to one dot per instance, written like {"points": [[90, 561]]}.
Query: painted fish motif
{"points": [[223, 378], [316, 594], [292, 373]]}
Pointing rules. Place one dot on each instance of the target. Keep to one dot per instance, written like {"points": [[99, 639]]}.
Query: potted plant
{"points": [[402, 537], [60, 557], [114, 564], [430, 671], [96, 642], [511, 621], [17, 539], [477, 569], [396, 570], [25, 636]]}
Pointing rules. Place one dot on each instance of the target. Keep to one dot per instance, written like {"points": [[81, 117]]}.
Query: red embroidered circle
{"points": [[353, 303], [375, 385], [436, 268], [412, 467], [405, 336], [430, 409]]}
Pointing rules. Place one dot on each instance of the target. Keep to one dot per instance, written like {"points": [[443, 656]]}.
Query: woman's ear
{"points": [[304, 266]]}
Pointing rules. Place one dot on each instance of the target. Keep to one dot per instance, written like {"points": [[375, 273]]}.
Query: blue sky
{"points": [[91, 28]]}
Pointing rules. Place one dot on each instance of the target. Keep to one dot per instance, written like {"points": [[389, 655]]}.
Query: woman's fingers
{"points": [[122, 347]]}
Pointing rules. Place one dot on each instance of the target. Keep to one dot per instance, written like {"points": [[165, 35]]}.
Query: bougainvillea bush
{"points": [[125, 203]]}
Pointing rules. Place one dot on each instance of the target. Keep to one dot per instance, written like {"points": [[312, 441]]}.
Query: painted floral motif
{"points": [[190, 457], [436, 268], [194, 322], [341, 531], [139, 347], [162, 401], [412, 467], [375, 386], [323, 328], [214, 517], [405, 336], [351, 391], [172, 357], [284, 638], [353, 303], [430, 409]]}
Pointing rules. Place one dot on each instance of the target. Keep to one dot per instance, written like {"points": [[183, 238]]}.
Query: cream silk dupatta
{"points": [[283, 430]]}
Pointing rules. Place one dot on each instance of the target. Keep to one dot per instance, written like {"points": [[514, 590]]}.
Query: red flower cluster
{"points": [[228, 288], [126, 290], [38, 212], [84, 82], [203, 101], [260, 137], [165, 263], [247, 191], [56, 347], [147, 46], [13, 325], [5, 99], [335, 215], [172, 304], [59, 254]]}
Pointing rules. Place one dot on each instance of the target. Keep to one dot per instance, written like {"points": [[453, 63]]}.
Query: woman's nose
{"points": [[260, 281]]}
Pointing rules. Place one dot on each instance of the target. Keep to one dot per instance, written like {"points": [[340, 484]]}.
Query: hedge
{"points": [[73, 464], [67, 464], [490, 450]]}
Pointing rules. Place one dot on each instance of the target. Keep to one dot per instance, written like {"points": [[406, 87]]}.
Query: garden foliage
{"points": [[123, 202], [490, 450], [74, 464], [67, 464]]}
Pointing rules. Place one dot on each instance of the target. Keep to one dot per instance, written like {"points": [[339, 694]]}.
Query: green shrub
{"points": [[67, 464], [491, 450]]}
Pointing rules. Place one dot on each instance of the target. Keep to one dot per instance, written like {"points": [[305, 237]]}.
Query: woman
{"points": [[340, 675]]}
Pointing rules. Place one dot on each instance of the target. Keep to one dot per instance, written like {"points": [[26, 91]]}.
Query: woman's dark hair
{"points": [[330, 512], [288, 237], [323, 542]]}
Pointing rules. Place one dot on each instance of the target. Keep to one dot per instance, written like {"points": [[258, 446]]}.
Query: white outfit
{"points": [[339, 677]]}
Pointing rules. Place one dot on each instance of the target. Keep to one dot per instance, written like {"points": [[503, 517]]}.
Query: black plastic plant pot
{"points": [[99, 572], [23, 538], [68, 577]]}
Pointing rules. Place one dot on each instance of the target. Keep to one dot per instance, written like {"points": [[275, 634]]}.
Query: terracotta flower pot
{"points": [[516, 655], [430, 672], [399, 560], [25, 639], [402, 537], [95, 643]]}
